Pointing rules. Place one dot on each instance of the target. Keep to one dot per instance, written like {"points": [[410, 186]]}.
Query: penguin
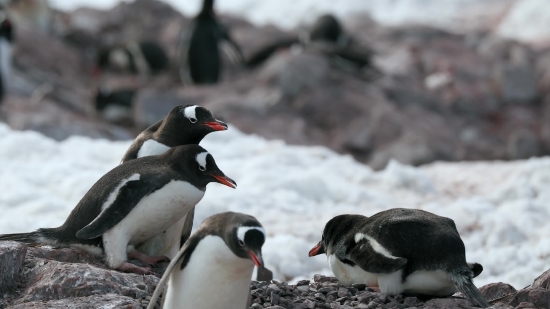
{"points": [[402, 251], [220, 256], [327, 36], [6, 41], [143, 58], [114, 105], [185, 124], [132, 203], [200, 61]]}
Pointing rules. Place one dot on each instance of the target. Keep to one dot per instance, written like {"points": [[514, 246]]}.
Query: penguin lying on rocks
{"points": [[132, 203], [144, 58], [200, 61], [327, 36], [402, 251], [184, 125], [220, 257]]}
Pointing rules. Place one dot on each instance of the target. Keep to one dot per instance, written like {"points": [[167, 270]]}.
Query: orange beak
{"points": [[216, 125], [224, 180], [318, 249], [257, 259]]}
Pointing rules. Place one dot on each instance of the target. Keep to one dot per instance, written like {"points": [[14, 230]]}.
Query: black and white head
{"points": [[196, 120], [335, 231], [244, 235], [198, 165]]}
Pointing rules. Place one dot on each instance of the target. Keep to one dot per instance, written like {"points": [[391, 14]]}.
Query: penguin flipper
{"points": [[183, 255], [187, 226], [264, 53], [127, 198], [231, 49], [371, 257]]}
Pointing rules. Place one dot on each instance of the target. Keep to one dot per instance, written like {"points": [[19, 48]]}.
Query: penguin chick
{"points": [[132, 203], [220, 256], [402, 251]]}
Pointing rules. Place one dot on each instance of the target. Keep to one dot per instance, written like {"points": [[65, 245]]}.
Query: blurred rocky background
{"points": [[424, 94]]}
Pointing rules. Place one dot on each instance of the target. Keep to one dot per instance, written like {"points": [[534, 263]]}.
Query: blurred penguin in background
{"points": [[200, 61], [326, 36], [6, 40], [141, 58]]}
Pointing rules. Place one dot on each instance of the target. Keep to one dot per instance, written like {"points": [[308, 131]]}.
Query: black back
{"points": [[325, 28], [204, 54], [156, 57], [122, 97], [427, 241], [174, 130], [178, 163]]}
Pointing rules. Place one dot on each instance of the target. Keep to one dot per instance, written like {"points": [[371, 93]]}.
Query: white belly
{"points": [[214, 278], [152, 148], [436, 283], [351, 274], [166, 243]]}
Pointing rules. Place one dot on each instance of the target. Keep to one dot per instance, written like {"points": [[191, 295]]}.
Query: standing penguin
{"points": [[184, 125], [400, 250], [132, 203], [200, 61], [220, 256], [6, 40]]}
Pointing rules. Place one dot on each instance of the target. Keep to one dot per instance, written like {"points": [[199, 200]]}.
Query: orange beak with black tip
{"points": [[216, 125], [256, 257], [224, 180], [318, 249]]}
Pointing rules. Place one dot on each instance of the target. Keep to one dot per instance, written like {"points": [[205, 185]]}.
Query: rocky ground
{"points": [[430, 94], [42, 277]]}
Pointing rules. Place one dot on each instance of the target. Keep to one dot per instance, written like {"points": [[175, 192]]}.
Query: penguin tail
{"points": [[36, 237], [463, 282]]}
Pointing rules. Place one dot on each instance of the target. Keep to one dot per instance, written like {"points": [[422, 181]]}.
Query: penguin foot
{"points": [[131, 268], [151, 260]]}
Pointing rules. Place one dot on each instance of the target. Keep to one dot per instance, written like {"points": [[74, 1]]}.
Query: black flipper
{"points": [[128, 197], [183, 255], [365, 256], [187, 227], [232, 50], [263, 54], [463, 282]]}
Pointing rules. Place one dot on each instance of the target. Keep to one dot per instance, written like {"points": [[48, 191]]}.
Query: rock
{"points": [[90, 302], [523, 144], [495, 290], [151, 105], [542, 281], [12, 256], [525, 305], [538, 296], [517, 83], [447, 303]]}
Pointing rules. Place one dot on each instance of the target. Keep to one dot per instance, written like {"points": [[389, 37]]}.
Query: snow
{"points": [[500, 208], [524, 20]]}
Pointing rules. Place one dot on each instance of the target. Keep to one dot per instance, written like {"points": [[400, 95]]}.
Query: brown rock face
{"points": [[12, 255]]}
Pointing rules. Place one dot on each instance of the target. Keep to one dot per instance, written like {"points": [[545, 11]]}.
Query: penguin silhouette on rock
{"points": [[402, 251], [200, 59], [220, 256], [132, 203], [184, 125]]}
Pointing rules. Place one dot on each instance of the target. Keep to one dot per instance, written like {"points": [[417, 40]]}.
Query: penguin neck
{"points": [[168, 134], [207, 8]]}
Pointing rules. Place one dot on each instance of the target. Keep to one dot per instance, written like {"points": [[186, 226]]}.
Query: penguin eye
{"points": [[241, 243], [193, 120], [202, 168]]}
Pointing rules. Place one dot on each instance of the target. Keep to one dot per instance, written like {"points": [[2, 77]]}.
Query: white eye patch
{"points": [[241, 231], [190, 113], [201, 160]]}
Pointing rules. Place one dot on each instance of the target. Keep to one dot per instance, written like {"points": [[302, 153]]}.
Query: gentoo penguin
{"points": [[132, 203], [220, 256], [114, 105], [200, 61], [403, 251], [142, 58], [6, 40], [185, 124], [326, 36]]}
